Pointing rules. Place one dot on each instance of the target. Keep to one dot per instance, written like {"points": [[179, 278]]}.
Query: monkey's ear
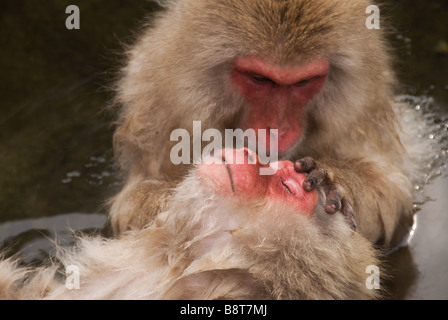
{"points": [[165, 3]]}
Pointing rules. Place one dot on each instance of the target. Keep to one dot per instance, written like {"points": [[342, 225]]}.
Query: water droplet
{"points": [[431, 137], [418, 107], [74, 174]]}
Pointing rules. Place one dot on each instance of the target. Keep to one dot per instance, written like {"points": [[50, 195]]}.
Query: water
{"points": [[56, 163], [36, 238], [419, 266]]}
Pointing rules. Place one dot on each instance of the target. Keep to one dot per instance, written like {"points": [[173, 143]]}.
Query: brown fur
{"points": [[208, 247], [179, 72]]}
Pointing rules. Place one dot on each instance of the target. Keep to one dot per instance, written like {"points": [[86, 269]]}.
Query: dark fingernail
{"points": [[335, 205], [299, 165], [330, 209], [309, 184]]}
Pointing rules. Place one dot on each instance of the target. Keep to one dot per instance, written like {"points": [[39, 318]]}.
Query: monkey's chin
{"points": [[287, 152], [287, 142]]}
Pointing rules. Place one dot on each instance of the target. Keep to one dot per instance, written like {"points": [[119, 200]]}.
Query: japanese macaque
{"points": [[309, 69], [227, 233]]}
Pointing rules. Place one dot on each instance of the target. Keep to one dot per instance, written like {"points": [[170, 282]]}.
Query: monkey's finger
{"points": [[334, 201], [347, 211], [315, 178], [305, 165]]}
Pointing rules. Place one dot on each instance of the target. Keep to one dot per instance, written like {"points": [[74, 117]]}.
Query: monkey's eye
{"points": [[257, 78], [287, 188], [303, 82]]}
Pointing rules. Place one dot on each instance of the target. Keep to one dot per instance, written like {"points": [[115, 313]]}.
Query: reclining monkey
{"points": [[228, 233]]}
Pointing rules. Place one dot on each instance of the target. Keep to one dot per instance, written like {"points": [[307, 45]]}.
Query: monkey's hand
{"points": [[320, 175]]}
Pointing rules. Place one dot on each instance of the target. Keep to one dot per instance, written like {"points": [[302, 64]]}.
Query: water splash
{"points": [[424, 133], [97, 171], [425, 136]]}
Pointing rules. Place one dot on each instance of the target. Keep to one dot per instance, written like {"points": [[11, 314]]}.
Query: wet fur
{"points": [[206, 247], [178, 71]]}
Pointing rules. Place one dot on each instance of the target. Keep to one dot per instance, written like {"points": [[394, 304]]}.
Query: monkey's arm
{"points": [[138, 203], [378, 196]]}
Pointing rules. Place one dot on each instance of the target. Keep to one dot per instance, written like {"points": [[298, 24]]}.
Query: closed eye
{"points": [[286, 186], [257, 78], [303, 82], [232, 185]]}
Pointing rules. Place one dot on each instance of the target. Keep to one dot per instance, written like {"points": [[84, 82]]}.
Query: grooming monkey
{"points": [[310, 69]]}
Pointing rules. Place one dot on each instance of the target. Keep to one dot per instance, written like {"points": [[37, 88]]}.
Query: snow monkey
{"points": [[226, 233], [309, 72]]}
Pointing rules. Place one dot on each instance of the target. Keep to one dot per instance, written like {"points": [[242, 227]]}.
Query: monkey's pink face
{"points": [[277, 96], [242, 180]]}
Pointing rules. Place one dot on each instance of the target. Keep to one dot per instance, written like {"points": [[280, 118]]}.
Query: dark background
{"points": [[55, 136], [53, 88]]}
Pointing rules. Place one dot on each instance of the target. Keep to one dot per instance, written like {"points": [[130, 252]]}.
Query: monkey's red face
{"points": [[277, 96], [240, 178]]}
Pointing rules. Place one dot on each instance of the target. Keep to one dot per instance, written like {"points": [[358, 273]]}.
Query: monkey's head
{"points": [[234, 177], [228, 217], [306, 71], [236, 174]]}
